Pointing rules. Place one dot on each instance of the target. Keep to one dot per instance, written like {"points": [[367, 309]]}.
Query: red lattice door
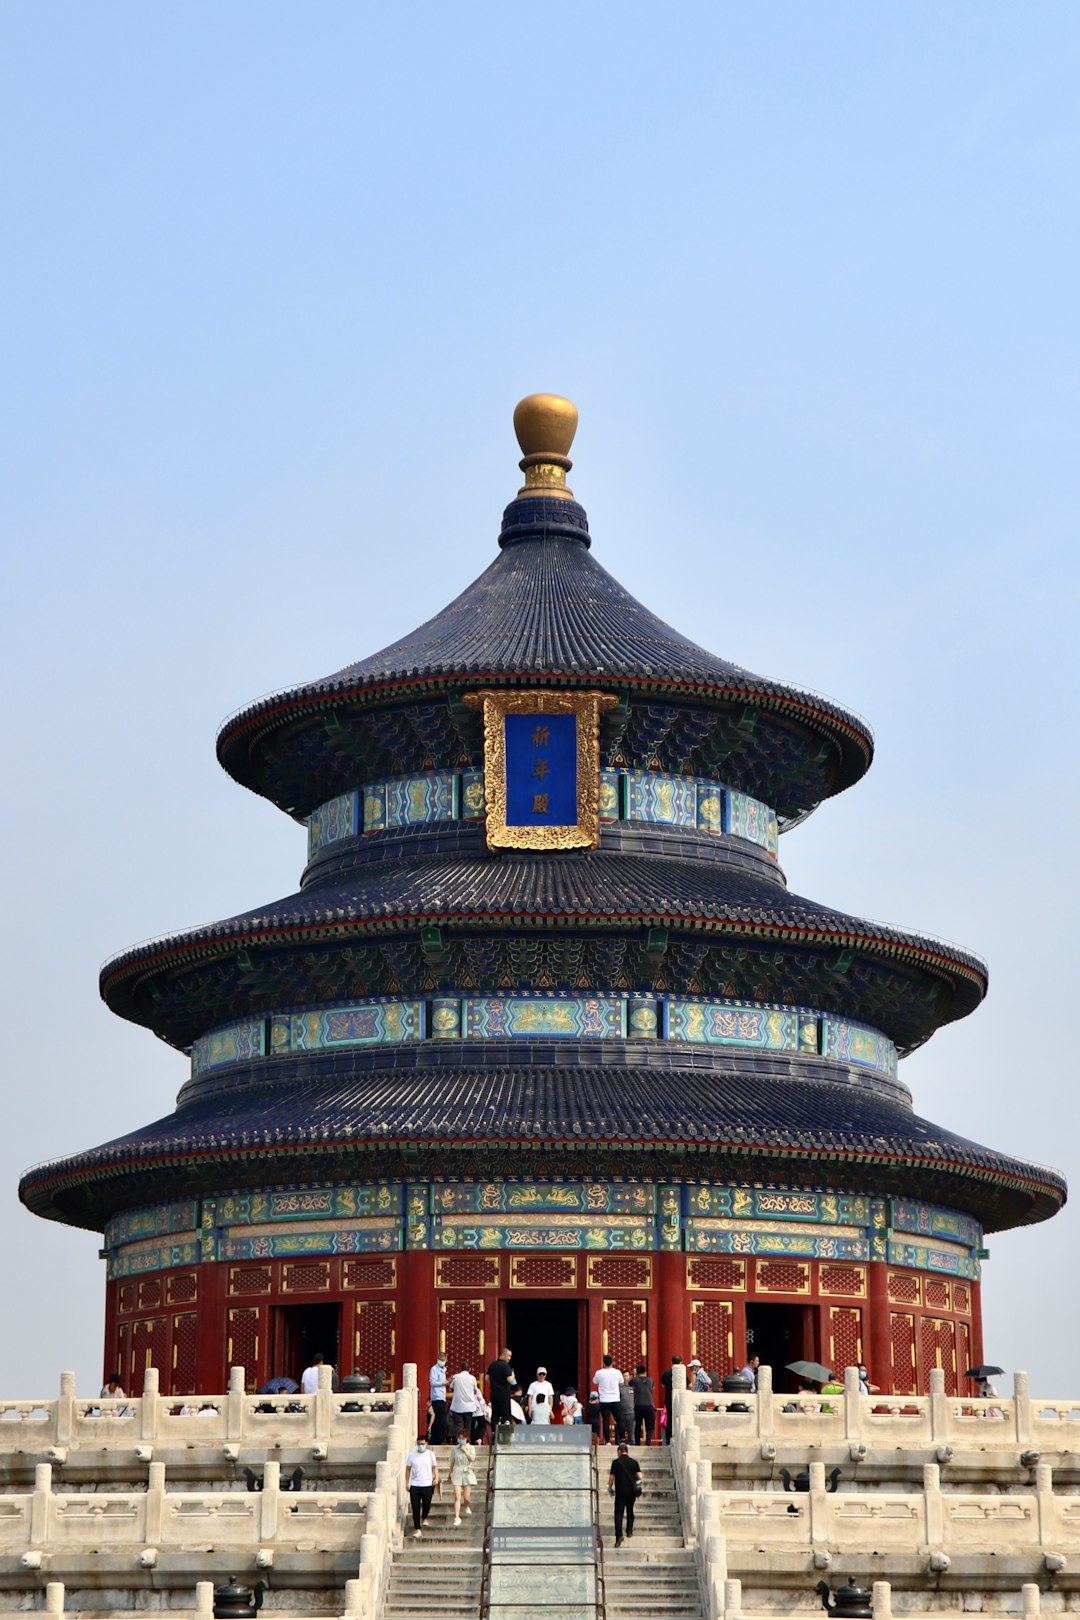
{"points": [[461, 1332], [185, 1344], [902, 1342], [149, 1348], [376, 1338], [712, 1337], [845, 1337], [246, 1337], [938, 1344], [624, 1332]]}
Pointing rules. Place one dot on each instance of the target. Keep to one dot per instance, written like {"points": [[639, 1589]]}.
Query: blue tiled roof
{"points": [[732, 1112], [523, 890], [544, 610]]}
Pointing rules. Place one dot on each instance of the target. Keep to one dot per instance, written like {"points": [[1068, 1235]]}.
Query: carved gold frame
{"points": [[585, 832]]}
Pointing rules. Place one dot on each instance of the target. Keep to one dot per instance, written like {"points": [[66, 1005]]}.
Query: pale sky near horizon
{"points": [[274, 277]]}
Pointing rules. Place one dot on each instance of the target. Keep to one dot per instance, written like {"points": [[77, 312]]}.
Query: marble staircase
{"points": [[653, 1574], [439, 1576]]}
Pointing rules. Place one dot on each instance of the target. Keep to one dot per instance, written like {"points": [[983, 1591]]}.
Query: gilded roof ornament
{"points": [[545, 425]]}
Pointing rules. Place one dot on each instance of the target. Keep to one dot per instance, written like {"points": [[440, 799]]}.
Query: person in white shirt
{"points": [[423, 1472], [539, 1386], [541, 1409], [437, 1395], [309, 1378], [463, 1400], [608, 1379], [571, 1407]]}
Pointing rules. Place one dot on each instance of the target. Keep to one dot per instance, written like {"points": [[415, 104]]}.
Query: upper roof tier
{"points": [[544, 612]]}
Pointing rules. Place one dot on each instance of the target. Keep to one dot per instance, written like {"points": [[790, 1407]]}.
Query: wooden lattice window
{"points": [[902, 1342], [961, 1298], [181, 1287], [461, 1332], [543, 1271], [712, 1336], [624, 1337], [242, 1347], [374, 1272], [619, 1271], [185, 1345], [250, 1279], [845, 1337], [376, 1336], [782, 1277], [905, 1288], [714, 1272], [149, 1293], [127, 1296], [938, 1294], [847, 1280], [467, 1271], [305, 1277]]}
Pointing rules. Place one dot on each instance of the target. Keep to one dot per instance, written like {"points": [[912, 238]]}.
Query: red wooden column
{"points": [[878, 1348], [416, 1328], [671, 1334], [212, 1373]]}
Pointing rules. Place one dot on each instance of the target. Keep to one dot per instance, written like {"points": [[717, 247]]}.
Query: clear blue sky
{"points": [[273, 278]]}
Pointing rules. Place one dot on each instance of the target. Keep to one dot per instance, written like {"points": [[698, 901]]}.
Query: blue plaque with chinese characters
{"points": [[541, 770]]}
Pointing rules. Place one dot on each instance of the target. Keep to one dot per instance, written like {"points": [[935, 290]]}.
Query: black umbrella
{"points": [[810, 1369], [984, 1372], [279, 1386]]}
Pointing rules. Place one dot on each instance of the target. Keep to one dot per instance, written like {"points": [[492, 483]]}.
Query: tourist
{"points": [[540, 1409], [462, 1476], [539, 1386], [625, 1485], [625, 1422], [423, 1471], [571, 1407], [594, 1417], [437, 1397], [644, 1406], [502, 1381], [702, 1383], [309, 1378], [865, 1386], [478, 1427], [111, 1387], [608, 1380], [462, 1400], [750, 1371], [665, 1380]]}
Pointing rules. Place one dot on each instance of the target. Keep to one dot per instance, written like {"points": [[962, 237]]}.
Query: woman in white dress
{"points": [[462, 1476]]}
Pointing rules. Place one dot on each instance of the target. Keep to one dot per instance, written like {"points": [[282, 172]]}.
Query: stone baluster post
{"points": [[148, 1405], [686, 1476], [714, 1566], [354, 1599], [204, 1600], [155, 1504], [269, 1500], [54, 1597], [853, 1405], [819, 1505], [933, 1514], [764, 1403], [699, 1476], [65, 1409], [1022, 1408], [732, 1600], [1047, 1508], [324, 1403], [234, 1405], [372, 1548], [39, 1504], [678, 1384], [1030, 1599], [939, 1408], [881, 1601]]}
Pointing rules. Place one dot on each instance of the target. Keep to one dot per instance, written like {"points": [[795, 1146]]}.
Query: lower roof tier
{"points": [[693, 1115], [548, 896]]}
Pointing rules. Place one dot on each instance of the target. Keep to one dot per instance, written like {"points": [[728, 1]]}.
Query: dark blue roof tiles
{"points": [[522, 890], [666, 1110], [543, 609]]}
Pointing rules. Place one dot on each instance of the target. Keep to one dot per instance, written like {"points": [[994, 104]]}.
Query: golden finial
{"points": [[545, 425]]}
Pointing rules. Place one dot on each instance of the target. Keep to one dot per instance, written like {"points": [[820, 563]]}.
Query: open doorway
{"points": [[779, 1334], [299, 1332], [547, 1333]]}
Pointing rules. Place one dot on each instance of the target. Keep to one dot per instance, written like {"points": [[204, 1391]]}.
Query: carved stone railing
{"points": [[727, 1604]]}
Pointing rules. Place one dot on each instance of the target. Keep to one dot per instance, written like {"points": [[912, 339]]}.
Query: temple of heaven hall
{"points": [[543, 1052]]}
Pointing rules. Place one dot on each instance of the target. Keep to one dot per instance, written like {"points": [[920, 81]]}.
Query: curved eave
{"points": [[239, 739]]}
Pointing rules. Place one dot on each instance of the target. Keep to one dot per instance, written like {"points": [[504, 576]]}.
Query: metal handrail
{"points": [[485, 1574]]}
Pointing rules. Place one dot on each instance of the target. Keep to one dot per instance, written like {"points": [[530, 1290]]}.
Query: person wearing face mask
{"points": [[462, 1476], [437, 1391], [865, 1386], [423, 1472]]}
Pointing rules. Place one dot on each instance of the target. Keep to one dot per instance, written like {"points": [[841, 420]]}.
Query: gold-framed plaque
{"points": [[542, 768]]}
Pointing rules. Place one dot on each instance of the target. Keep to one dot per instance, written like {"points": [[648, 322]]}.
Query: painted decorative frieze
{"points": [[573, 1017], [332, 821], [236, 1043], [750, 819], [771, 1028], [373, 1023], [659, 797], [858, 1043], [930, 1220]]}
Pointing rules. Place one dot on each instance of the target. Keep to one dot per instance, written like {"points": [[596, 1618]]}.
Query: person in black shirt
{"points": [[624, 1484], [665, 1379], [502, 1381], [644, 1408]]}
